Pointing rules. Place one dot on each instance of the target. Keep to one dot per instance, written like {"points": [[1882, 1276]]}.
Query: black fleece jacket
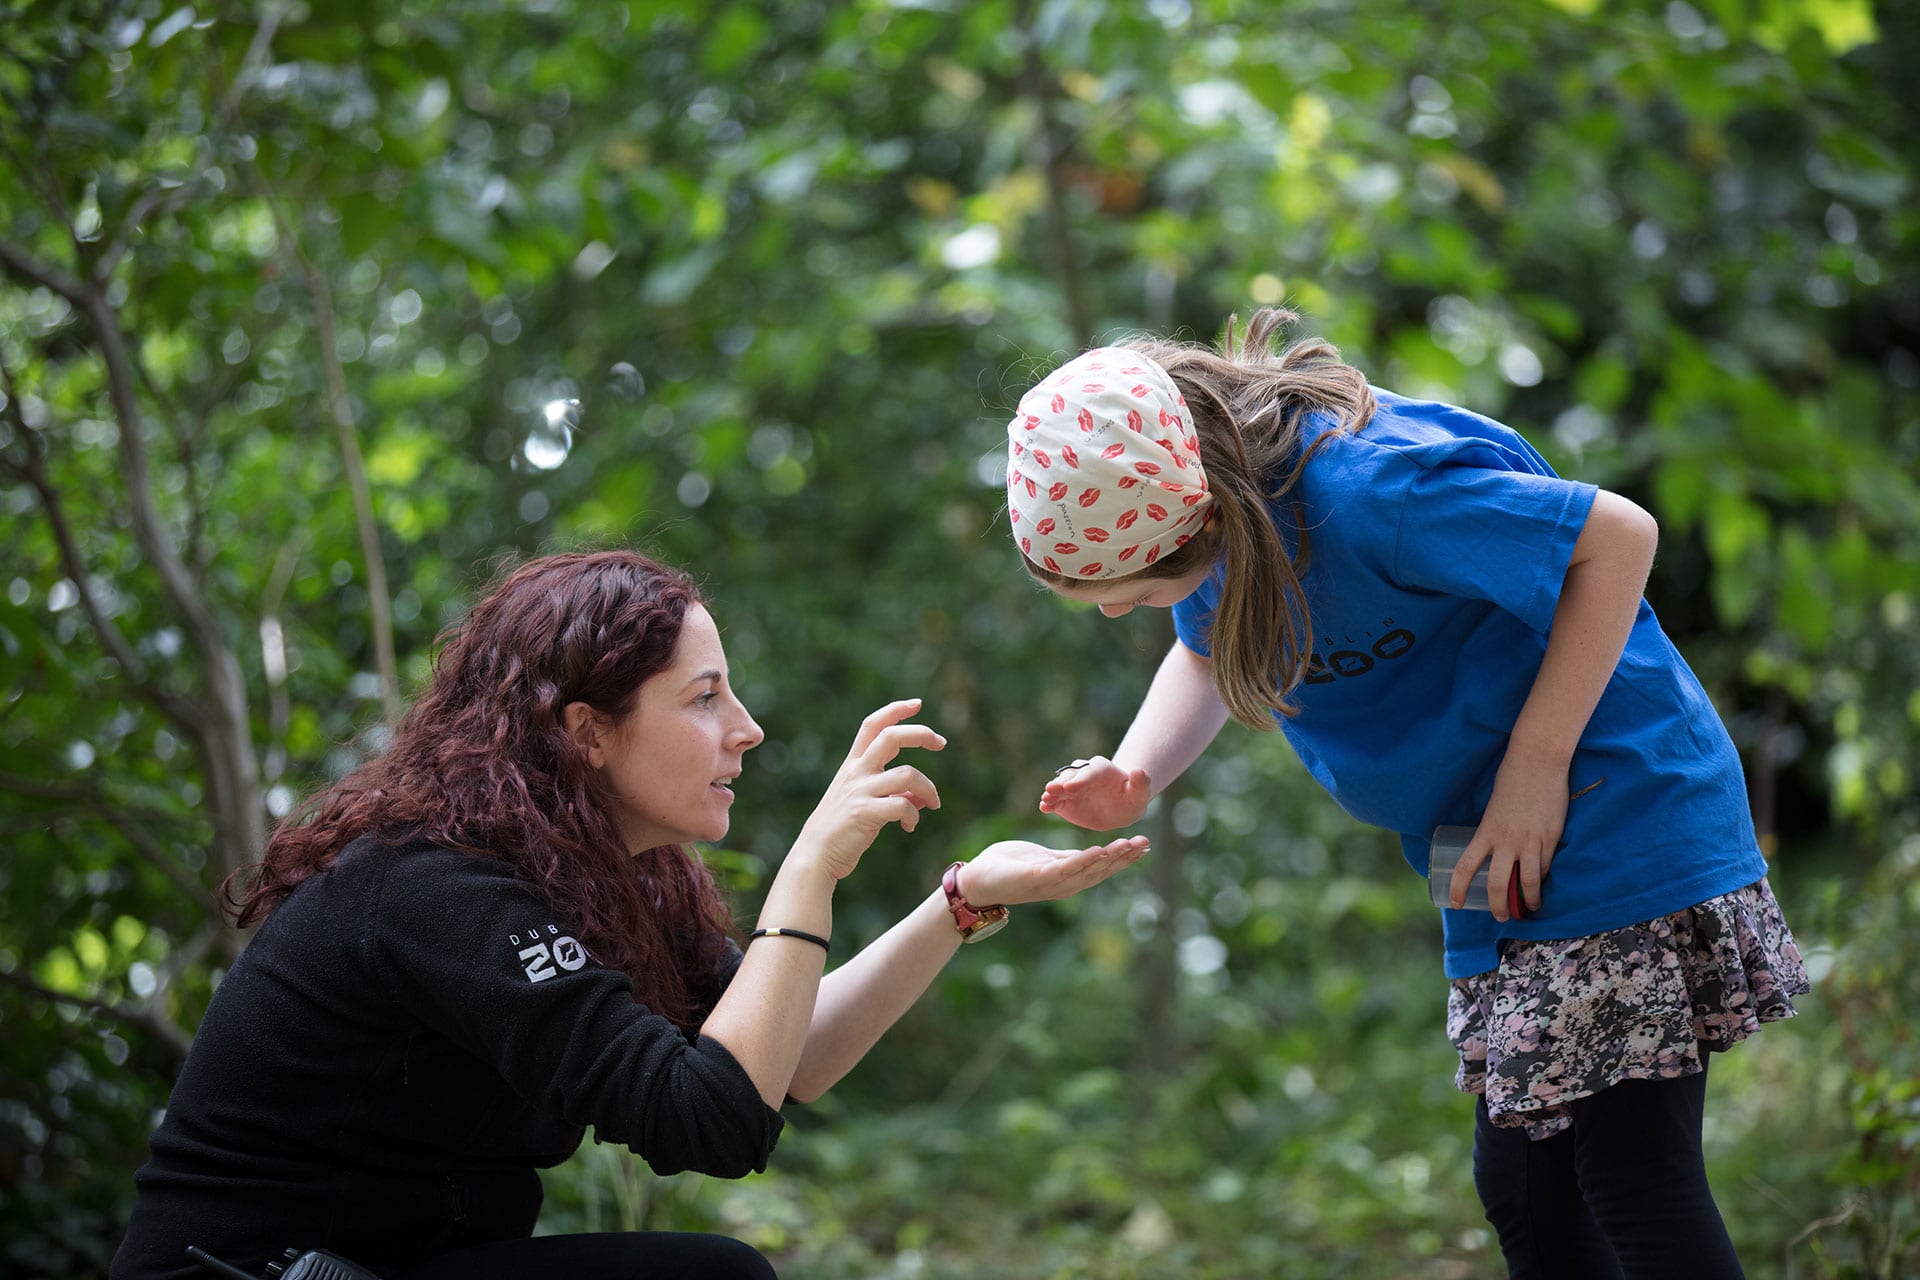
{"points": [[408, 1037]]}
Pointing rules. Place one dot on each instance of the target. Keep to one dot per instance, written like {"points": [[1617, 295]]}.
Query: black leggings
{"points": [[628, 1255], [1622, 1194]]}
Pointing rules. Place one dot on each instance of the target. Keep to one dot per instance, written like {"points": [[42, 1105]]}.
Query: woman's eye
{"points": [[707, 697]]}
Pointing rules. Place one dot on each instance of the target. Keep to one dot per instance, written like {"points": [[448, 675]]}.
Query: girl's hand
{"points": [[1520, 832], [1097, 794], [1014, 871], [866, 795]]}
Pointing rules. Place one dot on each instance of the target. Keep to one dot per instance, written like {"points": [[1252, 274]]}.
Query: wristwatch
{"points": [[974, 923]]}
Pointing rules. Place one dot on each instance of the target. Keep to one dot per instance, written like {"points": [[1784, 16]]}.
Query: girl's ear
{"points": [[584, 727]]}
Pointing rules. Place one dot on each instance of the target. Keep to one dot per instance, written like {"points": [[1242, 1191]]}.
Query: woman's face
{"points": [[667, 763]]}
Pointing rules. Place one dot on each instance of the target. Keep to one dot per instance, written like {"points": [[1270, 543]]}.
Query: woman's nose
{"points": [[750, 733]]}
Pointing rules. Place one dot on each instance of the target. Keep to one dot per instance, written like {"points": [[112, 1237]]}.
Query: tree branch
{"points": [[1052, 152], [165, 201], [34, 474], [140, 1015], [340, 406], [279, 704], [232, 773], [48, 195], [130, 823], [224, 735], [187, 437], [184, 957], [23, 266]]}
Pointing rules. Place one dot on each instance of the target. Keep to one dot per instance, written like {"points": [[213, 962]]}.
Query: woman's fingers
{"points": [[1015, 871], [891, 740], [879, 720], [901, 809], [1101, 861], [907, 781]]}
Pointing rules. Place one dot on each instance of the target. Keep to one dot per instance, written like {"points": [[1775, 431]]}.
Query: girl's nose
{"points": [[1116, 610]]}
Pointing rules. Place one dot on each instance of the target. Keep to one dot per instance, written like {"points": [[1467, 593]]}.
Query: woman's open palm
{"points": [[1014, 871]]}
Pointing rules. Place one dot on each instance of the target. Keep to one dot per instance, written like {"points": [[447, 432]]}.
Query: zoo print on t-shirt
{"points": [[539, 956], [1352, 660]]}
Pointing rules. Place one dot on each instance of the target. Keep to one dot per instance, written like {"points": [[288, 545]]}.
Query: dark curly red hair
{"points": [[483, 763]]}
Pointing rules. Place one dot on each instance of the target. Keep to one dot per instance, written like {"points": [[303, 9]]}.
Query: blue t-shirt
{"points": [[1438, 543]]}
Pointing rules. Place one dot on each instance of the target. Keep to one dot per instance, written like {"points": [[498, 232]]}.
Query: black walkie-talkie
{"points": [[294, 1264]]}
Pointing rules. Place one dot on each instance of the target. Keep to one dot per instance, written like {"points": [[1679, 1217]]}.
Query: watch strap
{"points": [[973, 922]]}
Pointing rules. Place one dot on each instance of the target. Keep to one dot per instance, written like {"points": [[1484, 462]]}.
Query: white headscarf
{"points": [[1103, 467]]}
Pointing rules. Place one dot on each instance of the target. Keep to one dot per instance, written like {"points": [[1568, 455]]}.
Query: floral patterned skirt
{"points": [[1564, 1019]]}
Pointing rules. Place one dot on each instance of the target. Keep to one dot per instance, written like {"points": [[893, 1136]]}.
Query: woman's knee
{"points": [[725, 1258]]}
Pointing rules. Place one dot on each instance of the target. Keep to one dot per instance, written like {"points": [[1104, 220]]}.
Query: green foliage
{"points": [[794, 262]]}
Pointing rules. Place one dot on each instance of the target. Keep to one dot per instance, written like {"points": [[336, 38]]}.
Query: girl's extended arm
{"points": [[1598, 603], [1179, 717], [863, 997]]}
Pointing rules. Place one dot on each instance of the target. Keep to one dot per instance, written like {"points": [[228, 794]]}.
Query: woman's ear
{"points": [[584, 727]]}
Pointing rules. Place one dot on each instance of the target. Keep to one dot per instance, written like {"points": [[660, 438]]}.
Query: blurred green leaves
{"points": [[795, 263]]}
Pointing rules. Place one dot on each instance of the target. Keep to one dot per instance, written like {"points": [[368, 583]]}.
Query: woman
{"points": [[495, 935]]}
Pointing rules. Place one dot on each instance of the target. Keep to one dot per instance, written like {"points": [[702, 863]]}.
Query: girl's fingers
{"points": [[1530, 871], [1061, 787], [1498, 874], [1470, 859], [1068, 774], [1515, 881], [1533, 873], [1507, 872]]}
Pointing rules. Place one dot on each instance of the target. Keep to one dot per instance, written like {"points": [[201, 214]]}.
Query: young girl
{"points": [[1447, 633], [498, 933]]}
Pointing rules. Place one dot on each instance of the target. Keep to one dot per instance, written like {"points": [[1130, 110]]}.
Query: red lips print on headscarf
{"points": [[1135, 497]]}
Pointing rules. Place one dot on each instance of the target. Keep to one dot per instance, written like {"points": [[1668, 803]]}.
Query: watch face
{"points": [[992, 921]]}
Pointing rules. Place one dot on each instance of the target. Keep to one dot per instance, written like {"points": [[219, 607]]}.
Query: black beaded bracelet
{"points": [[801, 934]]}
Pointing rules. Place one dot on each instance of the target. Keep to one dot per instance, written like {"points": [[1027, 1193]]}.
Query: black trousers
{"points": [[1622, 1195], [612, 1255]]}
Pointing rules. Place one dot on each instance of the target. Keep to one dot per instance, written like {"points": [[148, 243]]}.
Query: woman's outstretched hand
{"points": [[1015, 871], [866, 794], [1097, 794]]}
